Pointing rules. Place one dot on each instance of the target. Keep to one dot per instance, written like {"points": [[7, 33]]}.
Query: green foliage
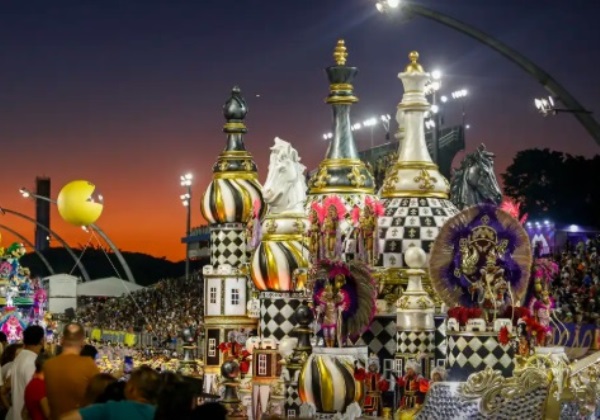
{"points": [[555, 185], [146, 269]]}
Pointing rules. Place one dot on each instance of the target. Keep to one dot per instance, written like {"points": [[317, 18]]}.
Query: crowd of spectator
{"points": [[576, 290], [161, 310], [38, 385]]}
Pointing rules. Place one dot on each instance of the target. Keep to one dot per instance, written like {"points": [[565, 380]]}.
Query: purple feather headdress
{"points": [[513, 256]]}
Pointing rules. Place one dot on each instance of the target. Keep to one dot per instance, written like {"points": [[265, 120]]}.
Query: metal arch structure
{"points": [[116, 251], [31, 245], [95, 228], [548, 82], [82, 270]]}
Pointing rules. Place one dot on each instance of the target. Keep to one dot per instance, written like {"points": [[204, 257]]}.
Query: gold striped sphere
{"points": [[231, 200]]}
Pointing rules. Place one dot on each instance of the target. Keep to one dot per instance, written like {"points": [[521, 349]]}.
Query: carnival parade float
{"points": [[329, 299]]}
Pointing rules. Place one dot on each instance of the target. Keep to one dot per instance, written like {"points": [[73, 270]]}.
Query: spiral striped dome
{"points": [[280, 253], [328, 382], [231, 195], [231, 200]]}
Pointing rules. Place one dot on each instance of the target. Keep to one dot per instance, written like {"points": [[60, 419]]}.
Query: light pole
{"points": [[584, 116], [28, 194], [186, 199]]}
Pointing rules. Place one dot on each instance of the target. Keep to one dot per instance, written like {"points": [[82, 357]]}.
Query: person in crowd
{"points": [[68, 375], [7, 360], [3, 342], [23, 368], [89, 351], [212, 411], [175, 400], [113, 392], [36, 402], [97, 387], [141, 392]]}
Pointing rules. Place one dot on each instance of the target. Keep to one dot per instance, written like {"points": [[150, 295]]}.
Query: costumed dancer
{"points": [[334, 213], [316, 217], [253, 227], [367, 226], [438, 374], [375, 384], [344, 296], [413, 388], [541, 303]]}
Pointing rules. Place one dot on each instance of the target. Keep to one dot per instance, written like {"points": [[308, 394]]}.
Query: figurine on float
{"points": [[335, 211], [375, 384], [344, 296], [315, 218], [365, 221], [540, 303], [474, 182], [412, 387], [253, 227]]}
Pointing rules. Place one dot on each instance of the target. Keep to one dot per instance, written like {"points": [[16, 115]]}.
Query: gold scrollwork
{"points": [[223, 165], [247, 164], [322, 177], [356, 178], [271, 226], [390, 182], [427, 182], [493, 390]]}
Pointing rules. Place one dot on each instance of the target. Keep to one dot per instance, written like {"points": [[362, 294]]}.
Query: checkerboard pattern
{"points": [[380, 337], [277, 315], [409, 222], [469, 354], [413, 342], [292, 400], [228, 245], [440, 338], [443, 402]]}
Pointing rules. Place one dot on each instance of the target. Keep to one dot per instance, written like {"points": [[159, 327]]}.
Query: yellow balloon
{"points": [[79, 203]]}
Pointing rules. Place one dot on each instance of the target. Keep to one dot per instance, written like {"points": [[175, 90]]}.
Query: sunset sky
{"points": [[129, 94]]}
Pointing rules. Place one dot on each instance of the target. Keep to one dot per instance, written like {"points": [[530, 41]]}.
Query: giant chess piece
{"points": [[230, 372]]}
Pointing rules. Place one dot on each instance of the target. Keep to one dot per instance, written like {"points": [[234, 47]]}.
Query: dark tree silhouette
{"points": [[555, 185], [145, 268]]}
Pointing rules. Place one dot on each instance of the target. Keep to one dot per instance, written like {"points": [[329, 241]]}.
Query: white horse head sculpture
{"points": [[285, 188]]}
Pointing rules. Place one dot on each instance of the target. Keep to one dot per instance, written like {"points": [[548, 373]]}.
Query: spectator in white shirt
{"points": [[24, 367]]}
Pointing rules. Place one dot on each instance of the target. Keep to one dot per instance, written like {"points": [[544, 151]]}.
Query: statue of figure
{"points": [[413, 387], [334, 213], [314, 234], [475, 181], [285, 188], [493, 291], [329, 314], [367, 228], [374, 384], [253, 227]]}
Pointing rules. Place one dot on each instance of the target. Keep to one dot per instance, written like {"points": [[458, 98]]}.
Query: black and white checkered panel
{"points": [[413, 342], [292, 401], [440, 339], [380, 337], [277, 314], [470, 354], [228, 245], [410, 222], [443, 402]]}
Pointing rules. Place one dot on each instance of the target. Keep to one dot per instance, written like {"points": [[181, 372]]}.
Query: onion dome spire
{"points": [[231, 195], [341, 171]]}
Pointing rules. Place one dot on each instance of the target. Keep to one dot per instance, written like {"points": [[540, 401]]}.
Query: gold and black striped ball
{"points": [[231, 200]]}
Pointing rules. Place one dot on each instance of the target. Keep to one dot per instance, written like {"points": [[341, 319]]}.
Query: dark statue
{"points": [[475, 181]]}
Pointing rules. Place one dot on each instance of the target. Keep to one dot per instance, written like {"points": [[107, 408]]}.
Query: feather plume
{"points": [[336, 202], [256, 208], [319, 209], [513, 208], [445, 261], [375, 205], [355, 214]]}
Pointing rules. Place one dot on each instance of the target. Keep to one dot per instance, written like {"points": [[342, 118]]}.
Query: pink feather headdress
{"points": [[336, 202], [319, 209], [513, 208], [355, 214], [256, 208], [376, 206]]}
